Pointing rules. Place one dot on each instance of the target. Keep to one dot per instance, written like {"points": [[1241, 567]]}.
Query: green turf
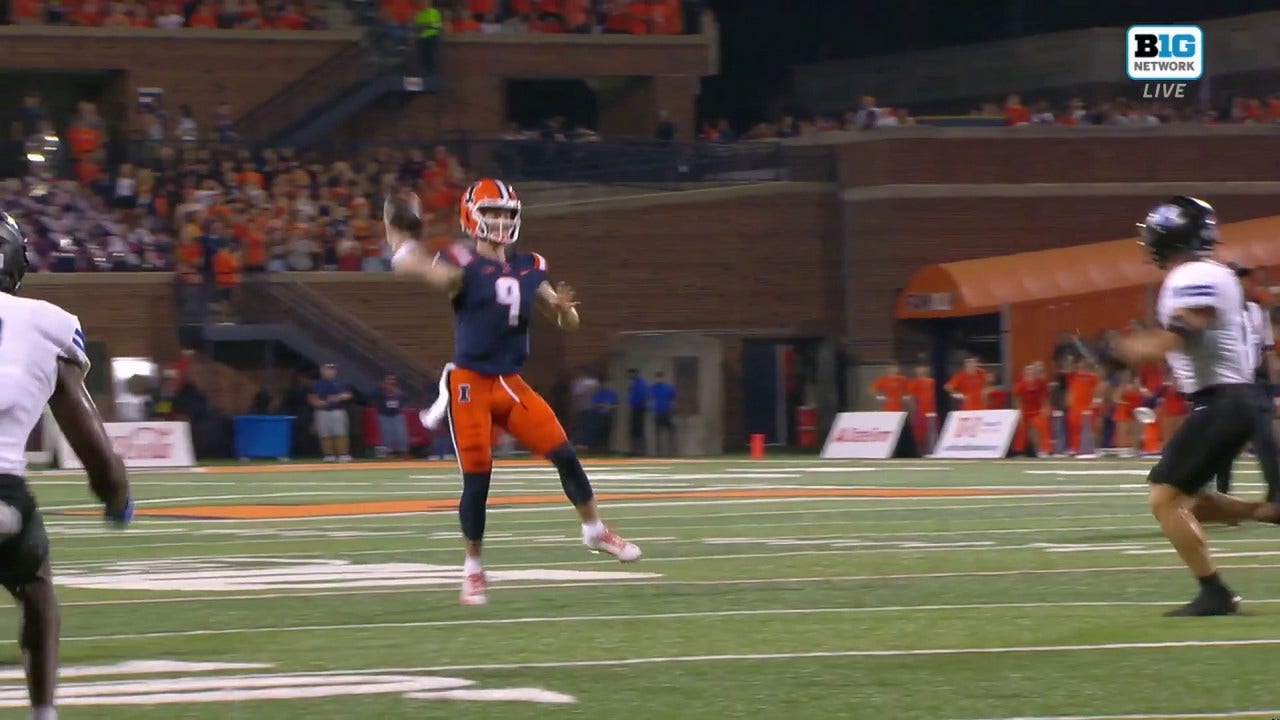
{"points": [[993, 606]]}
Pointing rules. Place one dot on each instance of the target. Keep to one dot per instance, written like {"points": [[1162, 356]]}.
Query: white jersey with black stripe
{"points": [[1261, 337], [1224, 353], [33, 335]]}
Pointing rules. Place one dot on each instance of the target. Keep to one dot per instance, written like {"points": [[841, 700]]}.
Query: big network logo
{"points": [[1165, 57], [1165, 53]]}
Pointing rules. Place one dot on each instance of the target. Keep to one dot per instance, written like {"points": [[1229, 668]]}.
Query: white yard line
{"points": [[542, 620], [199, 528], [1270, 714], [851, 543], [921, 652], [505, 587]]}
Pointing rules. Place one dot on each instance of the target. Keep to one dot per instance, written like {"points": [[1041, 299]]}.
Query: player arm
{"points": [[558, 305], [80, 422], [410, 259], [1146, 346]]}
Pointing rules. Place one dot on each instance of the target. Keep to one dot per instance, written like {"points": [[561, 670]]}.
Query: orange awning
{"points": [[978, 287]]}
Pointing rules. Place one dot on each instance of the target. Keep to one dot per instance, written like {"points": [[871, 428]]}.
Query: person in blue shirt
{"points": [[604, 404], [663, 396], [638, 402], [391, 401], [330, 397]]}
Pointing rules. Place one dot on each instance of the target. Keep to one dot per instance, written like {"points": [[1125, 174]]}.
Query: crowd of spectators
{"points": [[213, 211], [170, 14], [635, 17], [1241, 110], [1121, 111]]}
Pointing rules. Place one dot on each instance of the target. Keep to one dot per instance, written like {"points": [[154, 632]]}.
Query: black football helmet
{"points": [[13, 255], [1180, 226]]}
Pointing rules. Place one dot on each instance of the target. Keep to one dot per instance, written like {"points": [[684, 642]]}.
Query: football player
{"points": [[43, 361], [494, 291]]}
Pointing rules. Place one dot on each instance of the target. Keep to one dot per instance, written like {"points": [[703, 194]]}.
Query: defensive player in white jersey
{"points": [[1204, 336], [1266, 373], [42, 361]]}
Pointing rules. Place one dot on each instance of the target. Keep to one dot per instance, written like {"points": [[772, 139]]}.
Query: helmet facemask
{"points": [[496, 221]]}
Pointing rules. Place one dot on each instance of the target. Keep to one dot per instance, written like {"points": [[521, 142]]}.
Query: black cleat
{"points": [[1206, 604]]}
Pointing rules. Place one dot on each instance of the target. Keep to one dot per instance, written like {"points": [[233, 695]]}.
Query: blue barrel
{"points": [[263, 436]]}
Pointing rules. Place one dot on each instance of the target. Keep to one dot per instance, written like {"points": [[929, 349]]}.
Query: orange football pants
{"points": [[479, 403]]}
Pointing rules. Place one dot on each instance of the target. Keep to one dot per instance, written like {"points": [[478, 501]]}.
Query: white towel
{"points": [[434, 416]]}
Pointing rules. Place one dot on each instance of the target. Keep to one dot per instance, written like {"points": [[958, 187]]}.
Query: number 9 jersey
{"points": [[493, 309]]}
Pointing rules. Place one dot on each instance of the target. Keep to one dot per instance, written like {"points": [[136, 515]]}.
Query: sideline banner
{"points": [[141, 445], [864, 435], [977, 434]]}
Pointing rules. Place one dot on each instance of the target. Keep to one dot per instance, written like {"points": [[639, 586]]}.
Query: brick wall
{"points": [[195, 67], [752, 260]]}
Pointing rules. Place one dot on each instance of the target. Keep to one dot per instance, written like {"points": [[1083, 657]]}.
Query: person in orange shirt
{"points": [[891, 389], [255, 249], [924, 405], [577, 16], [1082, 403], [226, 268], [1015, 113], [203, 17], [969, 386], [1129, 396], [1031, 394]]}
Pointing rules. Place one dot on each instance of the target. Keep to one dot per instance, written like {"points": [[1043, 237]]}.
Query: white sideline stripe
{"points": [[613, 583], [831, 654], [1145, 547], [1160, 716], [539, 620]]}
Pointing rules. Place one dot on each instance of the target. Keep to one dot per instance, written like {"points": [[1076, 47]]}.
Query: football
{"points": [[403, 211]]}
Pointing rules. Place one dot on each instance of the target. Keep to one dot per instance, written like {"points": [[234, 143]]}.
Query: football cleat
{"points": [[609, 543], [475, 589]]}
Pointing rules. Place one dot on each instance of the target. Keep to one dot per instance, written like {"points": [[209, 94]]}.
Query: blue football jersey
{"points": [[493, 310]]}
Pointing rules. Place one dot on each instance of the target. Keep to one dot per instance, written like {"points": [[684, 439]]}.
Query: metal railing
{"points": [[283, 299], [337, 73]]}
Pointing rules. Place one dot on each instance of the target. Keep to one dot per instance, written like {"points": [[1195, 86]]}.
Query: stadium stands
{"points": [[169, 15]]}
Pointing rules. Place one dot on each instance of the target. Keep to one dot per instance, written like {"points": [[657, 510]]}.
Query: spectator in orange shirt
{"points": [[255, 252], [1015, 113], [891, 389], [1031, 394], [482, 9], [969, 386], [226, 267], [577, 16], [203, 17], [1082, 403], [924, 405]]}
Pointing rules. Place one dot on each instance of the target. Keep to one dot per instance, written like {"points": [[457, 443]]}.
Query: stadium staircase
{"points": [[318, 102], [287, 312]]}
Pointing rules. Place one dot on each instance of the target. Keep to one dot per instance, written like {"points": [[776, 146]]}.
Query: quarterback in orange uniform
{"points": [[494, 291]]}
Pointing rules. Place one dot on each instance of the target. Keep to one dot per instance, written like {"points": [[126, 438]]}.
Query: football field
{"points": [[788, 588]]}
